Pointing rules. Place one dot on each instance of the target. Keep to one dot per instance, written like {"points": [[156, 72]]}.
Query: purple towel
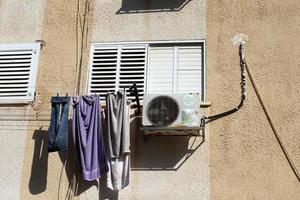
{"points": [[87, 134]]}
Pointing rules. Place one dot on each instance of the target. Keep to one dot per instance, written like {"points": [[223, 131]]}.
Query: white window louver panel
{"points": [[103, 70], [132, 67], [189, 69], [175, 69], [114, 67], [160, 70], [18, 68]]}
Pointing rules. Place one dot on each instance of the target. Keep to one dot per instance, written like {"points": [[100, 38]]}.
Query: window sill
{"points": [[204, 104], [14, 102]]}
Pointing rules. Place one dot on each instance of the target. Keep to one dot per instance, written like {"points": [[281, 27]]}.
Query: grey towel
{"points": [[118, 140], [118, 124]]}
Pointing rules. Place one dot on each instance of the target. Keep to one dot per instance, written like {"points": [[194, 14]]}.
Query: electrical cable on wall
{"points": [[240, 38], [243, 88], [81, 36], [277, 136]]}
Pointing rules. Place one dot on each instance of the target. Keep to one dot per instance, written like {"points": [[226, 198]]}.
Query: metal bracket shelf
{"points": [[171, 131]]}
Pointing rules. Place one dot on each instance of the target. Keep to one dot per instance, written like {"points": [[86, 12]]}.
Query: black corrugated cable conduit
{"points": [[243, 89], [244, 68]]}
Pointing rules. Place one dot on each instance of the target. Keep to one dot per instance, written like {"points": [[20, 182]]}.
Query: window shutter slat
{"points": [[18, 72], [21, 68], [12, 78], [18, 51], [12, 94], [14, 86], [15, 65]]}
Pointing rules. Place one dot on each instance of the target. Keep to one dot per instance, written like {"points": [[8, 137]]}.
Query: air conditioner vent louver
{"points": [[162, 111]]}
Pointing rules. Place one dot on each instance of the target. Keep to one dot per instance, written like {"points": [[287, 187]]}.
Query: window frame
{"points": [[149, 43], [36, 48]]}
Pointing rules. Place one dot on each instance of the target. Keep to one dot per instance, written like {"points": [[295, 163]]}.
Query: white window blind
{"points": [[175, 69], [114, 67], [18, 70], [160, 70]]}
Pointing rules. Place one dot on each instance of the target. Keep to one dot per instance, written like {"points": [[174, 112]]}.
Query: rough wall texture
{"points": [[19, 22], [48, 176], [246, 160], [134, 20]]}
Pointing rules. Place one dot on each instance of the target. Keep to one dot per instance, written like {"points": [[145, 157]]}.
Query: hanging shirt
{"points": [[87, 135], [118, 140]]}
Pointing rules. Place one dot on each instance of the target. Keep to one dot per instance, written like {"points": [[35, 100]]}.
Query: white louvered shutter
{"points": [[18, 70], [175, 69], [132, 67], [114, 67], [103, 70], [160, 70], [189, 69]]}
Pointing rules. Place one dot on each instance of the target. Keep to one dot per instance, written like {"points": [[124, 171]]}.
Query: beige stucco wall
{"points": [[246, 160], [20, 21], [240, 158], [48, 176], [134, 20]]}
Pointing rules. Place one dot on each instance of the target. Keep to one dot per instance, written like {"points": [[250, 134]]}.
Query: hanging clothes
{"points": [[58, 130], [118, 140], [87, 135]]}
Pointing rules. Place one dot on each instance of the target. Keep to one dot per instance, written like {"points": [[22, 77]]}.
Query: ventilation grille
{"points": [[18, 71], [116, 67]]}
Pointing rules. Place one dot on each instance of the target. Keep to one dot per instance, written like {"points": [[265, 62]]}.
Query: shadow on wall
{"points": [[144, 6], [39, 167], [76, 184], [164, 153], [160, 153]]}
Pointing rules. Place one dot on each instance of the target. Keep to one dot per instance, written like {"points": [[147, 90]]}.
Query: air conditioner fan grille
{"points": [[162, 111]]}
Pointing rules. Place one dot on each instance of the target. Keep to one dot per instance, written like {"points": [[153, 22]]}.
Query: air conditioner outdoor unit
{"points": [[171, 110]]}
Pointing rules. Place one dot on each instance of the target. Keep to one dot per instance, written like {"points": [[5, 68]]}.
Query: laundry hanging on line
{"points": [[118, 140], [87, 135], [58, 130], [96, 157]]}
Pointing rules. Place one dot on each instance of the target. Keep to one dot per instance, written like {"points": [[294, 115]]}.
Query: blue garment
{"points": [[58, 130]]}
